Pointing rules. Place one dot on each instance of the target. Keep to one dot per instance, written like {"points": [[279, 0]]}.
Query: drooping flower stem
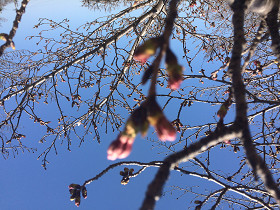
{"points": [[169, 22]]}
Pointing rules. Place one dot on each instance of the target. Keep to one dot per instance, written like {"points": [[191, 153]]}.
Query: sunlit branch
{"points": [[96, 107], [154, 190], [9, 37], [155, 10], [127, 163], [255, 161]]}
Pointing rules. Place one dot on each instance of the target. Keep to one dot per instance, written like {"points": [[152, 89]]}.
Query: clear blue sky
{"points": [[25, 185]]}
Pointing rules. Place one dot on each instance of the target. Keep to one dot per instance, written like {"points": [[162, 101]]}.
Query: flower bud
{"points": [[120, 148], [4, 37], [164, 129], [71, 191], [257, 63], [126, 170], [147, 49], [74, 194], [126, 173], [236, 149], [225, 106], [73, 186], [125, 180], [131, 171], [222, 111], [84, 192], [78, 201], [12, 45], [72, 197], [174, 70], [175, 76], [137, 122]]}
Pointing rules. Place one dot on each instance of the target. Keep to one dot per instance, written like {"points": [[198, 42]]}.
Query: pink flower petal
{"points": [[165, 130], [120, 148]]}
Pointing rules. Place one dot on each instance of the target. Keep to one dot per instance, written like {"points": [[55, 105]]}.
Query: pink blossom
{"points": [[78, 201], [175, 83], [147, 49], [175, 76], [120, 148], [165, 130], [227, 141]]}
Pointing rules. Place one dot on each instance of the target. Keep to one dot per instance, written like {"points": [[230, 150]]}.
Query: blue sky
{"points": [[25, 185]]}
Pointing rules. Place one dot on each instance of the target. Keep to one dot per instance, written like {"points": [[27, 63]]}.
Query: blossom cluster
{"points": [[126, 174], [174, 70], [147, 49], [149, 113], [75, 191]]}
